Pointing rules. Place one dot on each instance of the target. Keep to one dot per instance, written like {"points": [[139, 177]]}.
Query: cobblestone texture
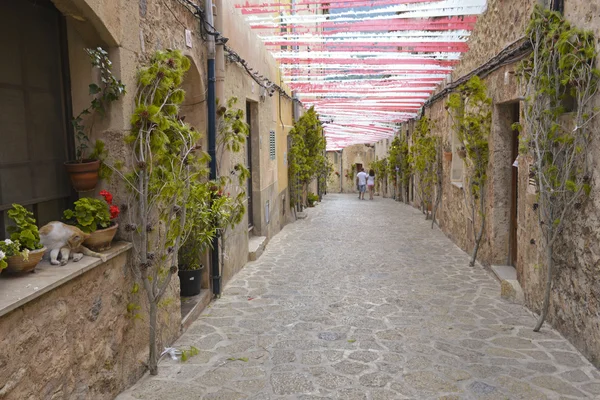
{"points": [[363, 300]]}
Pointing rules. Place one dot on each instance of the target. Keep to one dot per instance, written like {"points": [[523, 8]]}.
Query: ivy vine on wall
{"points": [[471, 111]]}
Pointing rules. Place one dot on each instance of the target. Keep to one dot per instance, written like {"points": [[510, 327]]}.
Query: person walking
{"points": [[361, 182], [371, 183]]}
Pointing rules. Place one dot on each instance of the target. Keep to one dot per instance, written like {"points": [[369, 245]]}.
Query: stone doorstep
{"points": [[510, 288], [504, 272], [202, 300], [256, 246]]}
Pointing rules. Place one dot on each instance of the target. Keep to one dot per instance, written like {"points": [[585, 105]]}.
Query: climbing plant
{"points": [[398, 157], [306, 157], [380, 169], [164, 166], [422, 158], [560, 70], [232, 174], [471, 111]]}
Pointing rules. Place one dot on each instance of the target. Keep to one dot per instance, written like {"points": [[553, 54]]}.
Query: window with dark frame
{"points": [[34, 137]]}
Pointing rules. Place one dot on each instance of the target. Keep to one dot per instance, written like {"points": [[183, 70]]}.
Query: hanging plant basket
{"points": [[462, 153], [84, 175], [101, 239], [19, 265]]}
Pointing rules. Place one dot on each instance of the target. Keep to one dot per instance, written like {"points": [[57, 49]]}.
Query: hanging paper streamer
{"points": [[364, 67]]}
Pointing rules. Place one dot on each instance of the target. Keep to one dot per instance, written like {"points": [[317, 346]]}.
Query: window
{"points": [[272, 145], [33, 132], [457, 162]]}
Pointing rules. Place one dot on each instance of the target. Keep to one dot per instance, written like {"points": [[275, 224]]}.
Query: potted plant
{"points": [[95, 217], [85, 170], [447, 150], [204, 203], [312, 198], [24, 251], [462, 152]]}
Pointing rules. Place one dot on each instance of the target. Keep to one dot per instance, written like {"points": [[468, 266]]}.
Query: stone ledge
{"points": [[16, 291], [256, 246]]}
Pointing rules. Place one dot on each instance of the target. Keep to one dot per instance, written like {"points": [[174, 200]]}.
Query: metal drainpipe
{"points": [[212, 139]]}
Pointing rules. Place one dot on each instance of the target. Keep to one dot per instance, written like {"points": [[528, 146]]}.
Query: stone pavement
{"points": [[363, 300]]}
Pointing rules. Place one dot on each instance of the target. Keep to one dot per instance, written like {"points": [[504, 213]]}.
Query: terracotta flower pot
{"points": [[447, 156], [101, 239], [84, 175], [18, 265]]}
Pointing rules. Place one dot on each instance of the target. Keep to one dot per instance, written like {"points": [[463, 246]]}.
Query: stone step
{"points": [[510, 288], [504, 272], [256, 246]]}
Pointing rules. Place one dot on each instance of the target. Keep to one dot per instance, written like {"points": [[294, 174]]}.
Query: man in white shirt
{"points": [[361, 182]]}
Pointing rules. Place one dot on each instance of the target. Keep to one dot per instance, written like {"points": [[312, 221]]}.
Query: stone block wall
{"points": [[79, 341], [575, 299]]}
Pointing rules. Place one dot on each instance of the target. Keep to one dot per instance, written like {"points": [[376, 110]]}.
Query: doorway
{"points": [[514, 197], [249, 164]]}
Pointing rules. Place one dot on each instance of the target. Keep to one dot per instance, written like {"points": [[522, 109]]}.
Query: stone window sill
{"points": [[16, 291], [458, 184]]}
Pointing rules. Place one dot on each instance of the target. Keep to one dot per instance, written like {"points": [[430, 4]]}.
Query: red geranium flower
{"points": [[107, 196], [114, 212]]}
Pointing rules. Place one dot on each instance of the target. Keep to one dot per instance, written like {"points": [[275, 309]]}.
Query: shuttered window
{"points": [[33, 133], [272, 145]]}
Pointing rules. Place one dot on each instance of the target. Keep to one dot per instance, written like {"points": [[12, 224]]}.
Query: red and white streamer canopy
{"points": [[365, 65]]}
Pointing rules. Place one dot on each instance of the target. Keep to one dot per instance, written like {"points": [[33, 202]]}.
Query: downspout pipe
{"points": [[212, 139]]}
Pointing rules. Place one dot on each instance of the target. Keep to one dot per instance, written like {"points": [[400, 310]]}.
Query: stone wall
{"points": [[78, 341], [575, 300]]}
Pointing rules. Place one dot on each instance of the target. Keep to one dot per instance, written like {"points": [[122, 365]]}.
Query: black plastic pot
{"points": [[189, 282]]}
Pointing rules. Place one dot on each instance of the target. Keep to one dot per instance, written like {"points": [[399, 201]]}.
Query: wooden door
{"points": [[514, 193]]}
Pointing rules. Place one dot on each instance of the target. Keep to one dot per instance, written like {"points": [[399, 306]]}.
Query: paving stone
{"points": [[429, 382], [290, 383], [479, 388], [375, 379], [557, 385], [341, 311], [364, 356]]}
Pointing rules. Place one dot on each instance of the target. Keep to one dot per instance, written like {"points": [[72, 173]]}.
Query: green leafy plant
{"points": [[471, 111], [312, 199], [9, 248], [110, 89], [25, 230], [560, 70], [201, 226], [306, 157], [423, 155], [165, 162], [229, 190], [399, 165], [380, 168], [89, 214], [187, 353]]}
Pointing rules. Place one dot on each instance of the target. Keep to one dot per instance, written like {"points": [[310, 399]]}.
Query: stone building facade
{"points": [[67, 332], [340, 180], [511, 235]]}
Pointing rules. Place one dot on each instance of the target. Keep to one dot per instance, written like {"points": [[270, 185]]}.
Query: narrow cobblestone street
{"points": [[363, 300]]}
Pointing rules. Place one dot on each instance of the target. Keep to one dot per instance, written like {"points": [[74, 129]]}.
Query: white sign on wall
{"points": [[188, 38]]}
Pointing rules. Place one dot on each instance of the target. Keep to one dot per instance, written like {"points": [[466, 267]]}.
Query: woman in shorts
{"points": [[371, 183]]}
